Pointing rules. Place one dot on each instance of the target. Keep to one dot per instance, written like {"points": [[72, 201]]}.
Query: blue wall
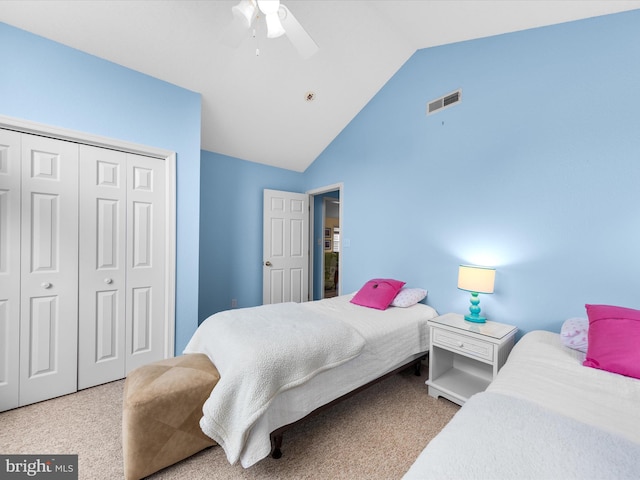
{"points": [[231, 229], [48, 83], [535, 172]]}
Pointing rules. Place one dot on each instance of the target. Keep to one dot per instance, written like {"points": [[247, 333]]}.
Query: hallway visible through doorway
{"points": [[331, 245]]}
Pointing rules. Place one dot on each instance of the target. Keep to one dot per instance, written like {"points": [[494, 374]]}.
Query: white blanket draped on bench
{"points": [[260, 352]]}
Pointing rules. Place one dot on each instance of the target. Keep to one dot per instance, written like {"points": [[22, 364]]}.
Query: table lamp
{"points": [[476, 280]]}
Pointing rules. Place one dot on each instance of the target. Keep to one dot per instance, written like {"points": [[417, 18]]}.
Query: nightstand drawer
{"points": [[463, 344]]}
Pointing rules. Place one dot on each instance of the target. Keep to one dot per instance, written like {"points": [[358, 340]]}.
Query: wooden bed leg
{"points": [[417, 368], [276, 444]]}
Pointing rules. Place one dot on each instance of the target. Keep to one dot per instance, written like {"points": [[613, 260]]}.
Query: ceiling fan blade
{"points": [[299, 37]]}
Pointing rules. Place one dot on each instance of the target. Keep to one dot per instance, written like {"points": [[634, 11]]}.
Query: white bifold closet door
{"points": [[102, 266], [122, 264], [10, 181], [82, 266], [146, 260], [49, 269]]}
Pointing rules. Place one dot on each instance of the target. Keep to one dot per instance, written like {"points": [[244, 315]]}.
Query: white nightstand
{"points": [[465, 357]]}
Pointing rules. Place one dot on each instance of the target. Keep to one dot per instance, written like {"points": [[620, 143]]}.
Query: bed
{"points": [[545, 416], [249, 424]]}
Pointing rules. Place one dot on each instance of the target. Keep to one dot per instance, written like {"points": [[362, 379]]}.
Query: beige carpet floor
{"points": [[376, 434]]}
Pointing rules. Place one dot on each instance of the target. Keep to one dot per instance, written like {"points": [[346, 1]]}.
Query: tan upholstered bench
{"points": [[162, 408]]}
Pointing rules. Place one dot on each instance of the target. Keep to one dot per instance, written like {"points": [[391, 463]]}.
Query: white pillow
{"points": [[408, 296], [575, 334]]}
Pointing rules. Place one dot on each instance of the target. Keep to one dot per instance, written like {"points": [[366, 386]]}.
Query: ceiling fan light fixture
{"points": [[279, 21], [269, 6], [270, 10], [274, 26], [245, 10]]}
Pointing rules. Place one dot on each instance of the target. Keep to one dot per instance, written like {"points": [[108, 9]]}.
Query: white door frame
{"points": [[25, 126], [312, 193]]}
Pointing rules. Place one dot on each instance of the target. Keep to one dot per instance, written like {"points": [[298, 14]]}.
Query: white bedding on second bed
{"points": [[392, 336], [536, 421], [540, 369]]}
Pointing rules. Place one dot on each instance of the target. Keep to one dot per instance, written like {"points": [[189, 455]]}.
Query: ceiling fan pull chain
{"points": [[257, 45]]}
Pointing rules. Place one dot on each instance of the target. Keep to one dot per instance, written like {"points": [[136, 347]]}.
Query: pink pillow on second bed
{"points": [[614, 337], [377, 293]]}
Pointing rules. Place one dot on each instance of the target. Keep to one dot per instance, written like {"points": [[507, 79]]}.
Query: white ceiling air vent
{"points": [[444, 102]]}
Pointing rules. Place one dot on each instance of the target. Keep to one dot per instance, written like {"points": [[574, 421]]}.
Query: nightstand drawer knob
{"points": [[460, 344]]}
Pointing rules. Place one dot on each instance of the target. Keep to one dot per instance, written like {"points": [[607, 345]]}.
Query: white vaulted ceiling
{"points": [[254, 107]]}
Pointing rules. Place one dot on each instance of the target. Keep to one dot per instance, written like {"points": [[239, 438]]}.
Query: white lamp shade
{"points": [[476, 279]]}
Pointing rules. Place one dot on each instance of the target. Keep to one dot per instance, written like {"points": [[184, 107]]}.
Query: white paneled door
{"points": [[102, 267], [9, 268], [86, 264], [122, 264], [49, 269], [285, 247], [146, 260]]}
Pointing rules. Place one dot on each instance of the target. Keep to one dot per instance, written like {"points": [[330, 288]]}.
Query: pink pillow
{"points": [[614, 339], [377, 293]]}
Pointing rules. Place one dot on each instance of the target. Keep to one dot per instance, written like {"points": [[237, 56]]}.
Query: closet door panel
{"points": [[49, 269], [10, 180], [103, 189], [146, 262]]}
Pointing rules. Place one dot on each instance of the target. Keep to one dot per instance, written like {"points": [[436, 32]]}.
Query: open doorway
{"points": [[331, 245], [326, 231]]}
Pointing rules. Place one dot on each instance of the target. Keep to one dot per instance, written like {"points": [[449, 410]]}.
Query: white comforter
{"points": [[259, 353], [392, 338], [499, 437], [545, 416], [540, 369]]}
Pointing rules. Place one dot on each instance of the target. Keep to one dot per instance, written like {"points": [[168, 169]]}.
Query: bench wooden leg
{"points": [[276, 444]]}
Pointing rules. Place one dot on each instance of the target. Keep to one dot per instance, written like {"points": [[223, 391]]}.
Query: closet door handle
{"points": [[268, 263], [108, 281], [45, 285]]}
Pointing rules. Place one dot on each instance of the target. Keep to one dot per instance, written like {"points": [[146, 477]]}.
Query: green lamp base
{"points": [[475, 310], [475, 319]]}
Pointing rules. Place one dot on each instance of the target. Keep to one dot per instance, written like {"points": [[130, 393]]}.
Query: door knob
{"points": [[108, 281], [45, 285], [268, 263]]}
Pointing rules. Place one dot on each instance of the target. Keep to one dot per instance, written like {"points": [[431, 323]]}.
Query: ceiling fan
{"points": [[279, 20]]}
